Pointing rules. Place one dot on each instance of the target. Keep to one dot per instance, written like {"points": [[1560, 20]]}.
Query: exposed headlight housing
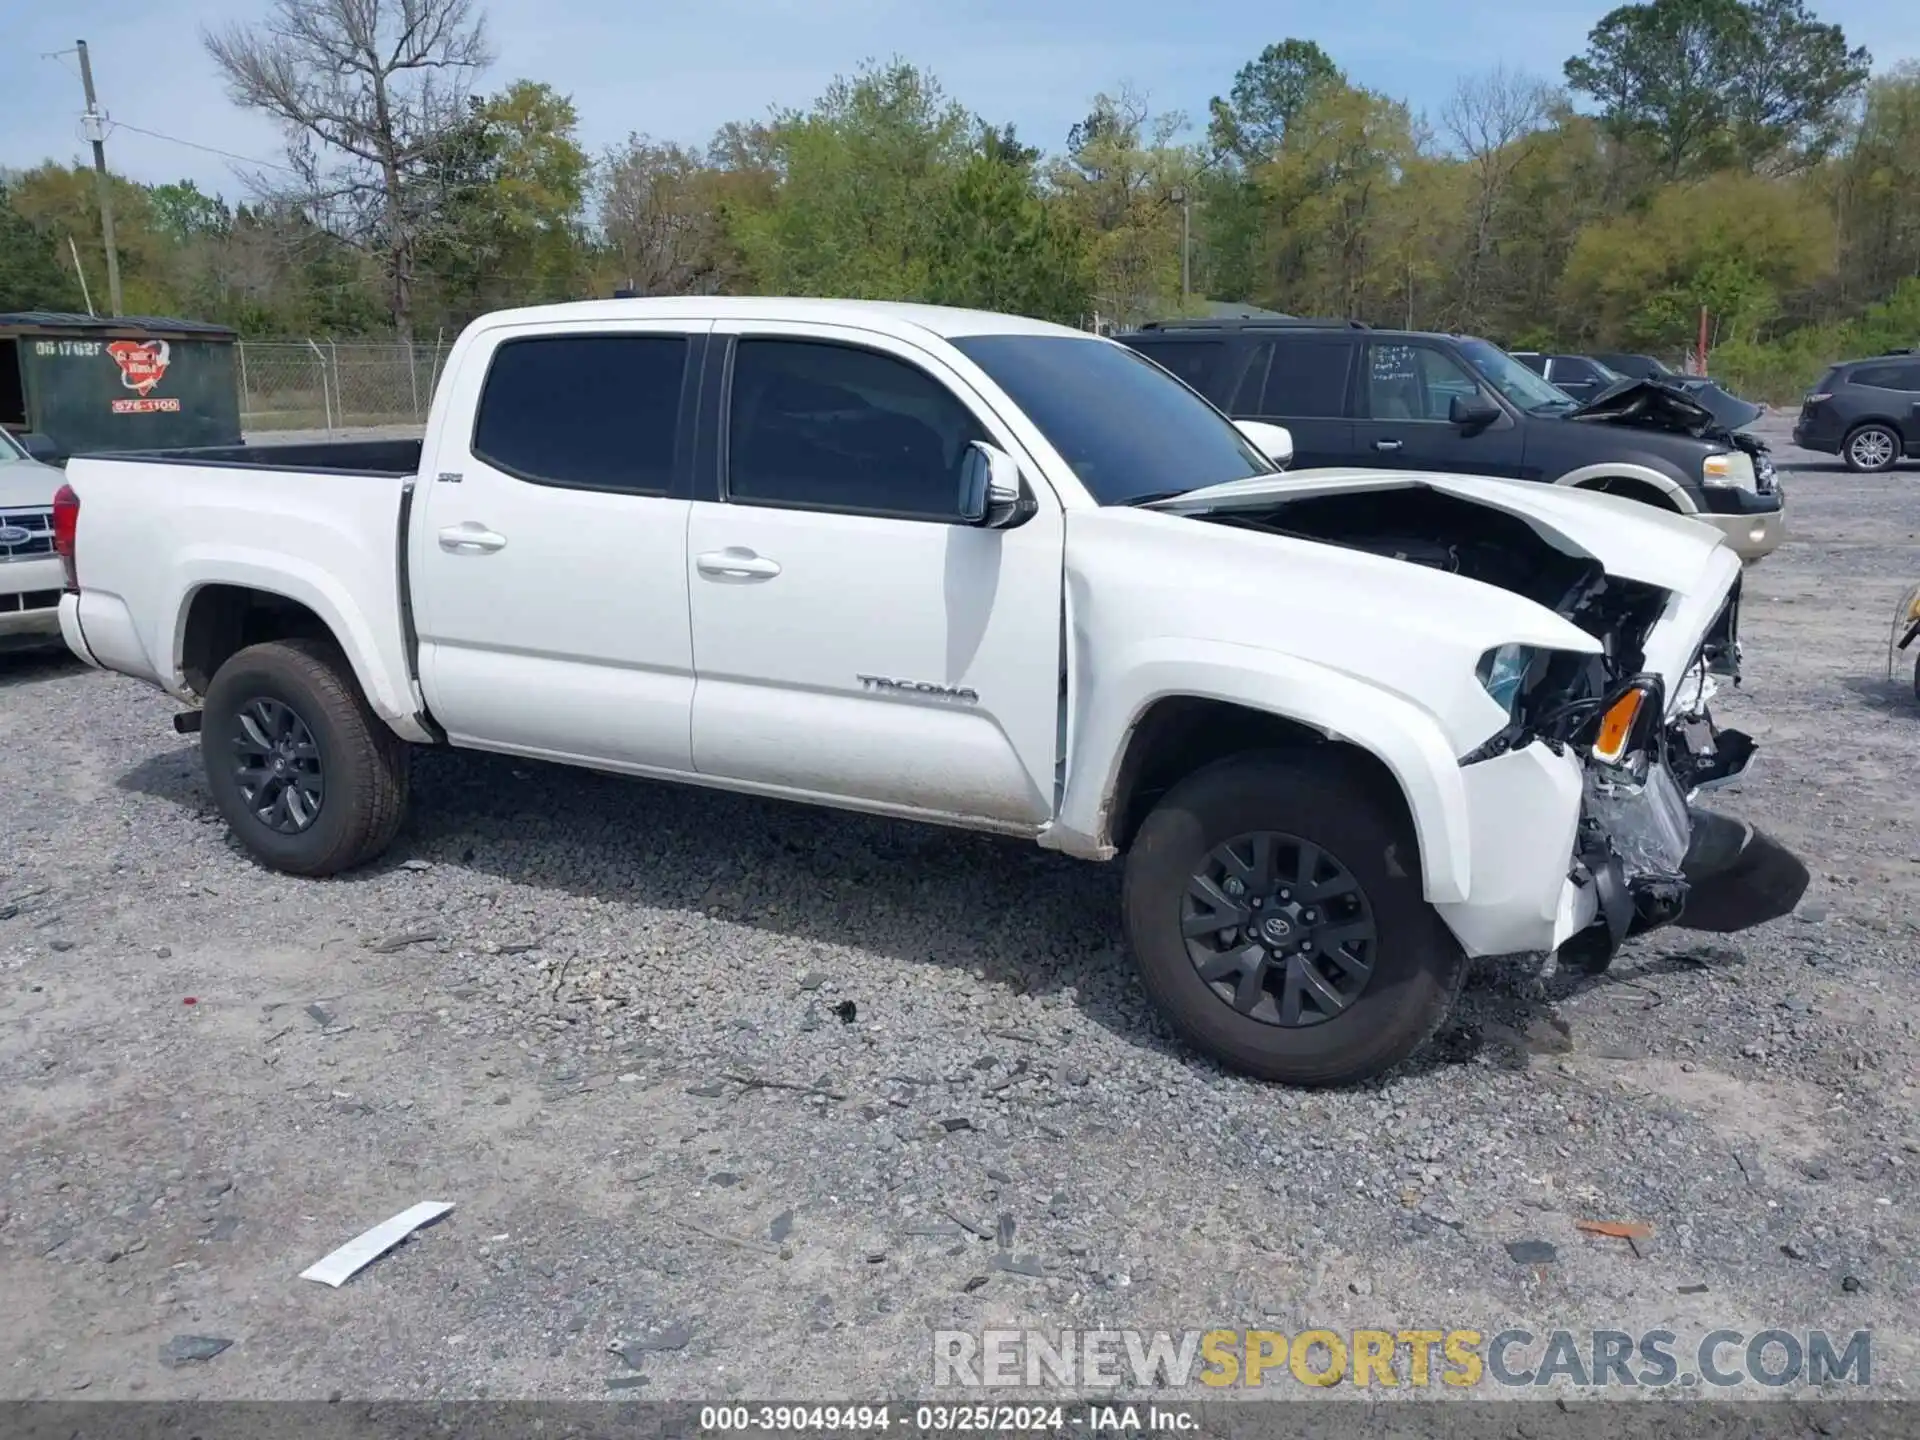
{"points": [[1502, 673], [1732, 468]]}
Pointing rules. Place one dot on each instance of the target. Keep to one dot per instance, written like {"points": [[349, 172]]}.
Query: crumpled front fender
{"points": [[1402, 736]]}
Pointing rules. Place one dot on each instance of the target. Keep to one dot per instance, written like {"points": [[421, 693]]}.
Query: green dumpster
{"points": [[74, 384]]}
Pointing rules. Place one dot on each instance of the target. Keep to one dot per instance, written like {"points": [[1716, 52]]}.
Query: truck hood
{"points": [[28, 485], [1628, 538]]}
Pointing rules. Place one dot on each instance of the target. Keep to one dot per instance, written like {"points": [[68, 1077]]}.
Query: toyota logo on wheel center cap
{"points": [[1274, 928]]}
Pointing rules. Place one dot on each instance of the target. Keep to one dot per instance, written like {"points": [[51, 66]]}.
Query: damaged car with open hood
{"points": [[1347, 728]]}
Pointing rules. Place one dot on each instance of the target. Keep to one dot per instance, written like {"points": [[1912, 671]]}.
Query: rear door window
{"points": [[1307, 378], [1198, 362], [586, 412], [1880, 377]]}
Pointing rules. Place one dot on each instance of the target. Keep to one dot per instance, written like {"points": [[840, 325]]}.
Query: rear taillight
{"points": [[66, 526]]}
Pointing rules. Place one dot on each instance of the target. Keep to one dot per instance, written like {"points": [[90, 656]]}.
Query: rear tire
{"points": [[1200, 832], [310, 780], [1871, 449]]}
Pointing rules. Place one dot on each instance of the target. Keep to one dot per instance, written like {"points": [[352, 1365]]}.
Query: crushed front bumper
{"points": [[1572, 858]]}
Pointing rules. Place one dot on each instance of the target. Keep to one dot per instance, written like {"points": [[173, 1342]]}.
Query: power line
{"points": [[196, 145]]}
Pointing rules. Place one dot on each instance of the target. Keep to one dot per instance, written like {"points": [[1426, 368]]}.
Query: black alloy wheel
{"points": [[277, 766], [1279, 929]]}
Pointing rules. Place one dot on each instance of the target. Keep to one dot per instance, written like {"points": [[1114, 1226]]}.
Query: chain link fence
{"points": [[329, 385]]}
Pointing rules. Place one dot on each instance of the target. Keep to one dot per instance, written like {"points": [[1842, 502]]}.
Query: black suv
{"points": [[1351, 395], [1865, 411]]}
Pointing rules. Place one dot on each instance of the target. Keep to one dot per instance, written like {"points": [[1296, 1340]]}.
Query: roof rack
{"points": [[1256, 322]]}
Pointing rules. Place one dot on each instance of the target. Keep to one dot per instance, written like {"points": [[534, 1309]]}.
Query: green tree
{"points": [[506, 227], [862, 175], [1116, 184], [1876, 188], [1707, 83], [31, 275], [1733, 244], [1267, 93], [1332, 186], [998, 246]]}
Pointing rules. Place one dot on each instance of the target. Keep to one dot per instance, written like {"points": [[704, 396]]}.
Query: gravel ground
{"points": [[736, 1083]]}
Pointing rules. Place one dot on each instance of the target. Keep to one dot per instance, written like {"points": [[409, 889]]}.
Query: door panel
{"points": [[549, 566], [1405, 395], [907, 663]]}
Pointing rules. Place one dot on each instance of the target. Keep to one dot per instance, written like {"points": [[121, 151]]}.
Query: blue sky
{"points": [[677, 71]]}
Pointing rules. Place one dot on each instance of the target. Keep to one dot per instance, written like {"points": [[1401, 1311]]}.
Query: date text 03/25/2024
{"points": [[947, 1419]]}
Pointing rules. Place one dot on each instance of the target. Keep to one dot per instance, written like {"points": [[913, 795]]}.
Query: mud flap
{"points": [[1737, 876]]}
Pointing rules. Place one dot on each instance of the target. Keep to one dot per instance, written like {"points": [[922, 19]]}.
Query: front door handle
{"points": [[1386, 445], [736, 563], [470, 537]]}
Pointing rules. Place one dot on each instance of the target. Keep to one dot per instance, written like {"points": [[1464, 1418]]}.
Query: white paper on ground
{"points": [[341, 1266]]}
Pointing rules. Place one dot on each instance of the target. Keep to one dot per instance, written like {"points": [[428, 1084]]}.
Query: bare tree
{"points": [[660, 218], [369, 92], [1487, 122]]}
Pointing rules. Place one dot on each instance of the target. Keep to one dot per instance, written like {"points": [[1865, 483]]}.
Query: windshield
{"points": [[10, 448], [1514, 380], [1130, 431]]}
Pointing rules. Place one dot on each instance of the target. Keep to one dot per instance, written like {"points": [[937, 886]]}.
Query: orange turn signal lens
{"points": [[1616, 728]]}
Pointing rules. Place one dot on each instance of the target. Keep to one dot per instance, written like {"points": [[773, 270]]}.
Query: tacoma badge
{"points": [[919, 687]]}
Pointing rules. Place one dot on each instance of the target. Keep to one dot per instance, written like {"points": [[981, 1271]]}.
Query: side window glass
{"points": [[1414, 382], [587, 412], [820, 426], [1308, 378]]}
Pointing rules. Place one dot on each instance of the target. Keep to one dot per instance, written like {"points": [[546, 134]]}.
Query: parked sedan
{"points": [[1865, 411]]}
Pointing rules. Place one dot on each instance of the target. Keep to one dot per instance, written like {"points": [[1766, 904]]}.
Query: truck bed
{"points": [[327, 457], [161, 534]]}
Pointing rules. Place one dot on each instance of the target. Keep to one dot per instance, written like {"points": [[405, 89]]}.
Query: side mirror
{"points": [[42, 448], [1472, 412], [1273, 441], [993, 494]]}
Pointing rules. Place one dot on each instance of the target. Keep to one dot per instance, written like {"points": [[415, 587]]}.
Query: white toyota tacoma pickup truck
{"points": [[1348, 728]]}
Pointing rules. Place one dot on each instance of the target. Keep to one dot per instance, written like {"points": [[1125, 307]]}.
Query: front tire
{"points": [[1871, 449], [1327, 965], [309, 779]]}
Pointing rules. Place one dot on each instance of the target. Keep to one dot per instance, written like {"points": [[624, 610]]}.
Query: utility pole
{"points": [[97, 135], [1185, 203]]}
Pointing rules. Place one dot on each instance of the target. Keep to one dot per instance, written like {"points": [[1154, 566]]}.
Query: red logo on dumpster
{"points": [[142, 363]]}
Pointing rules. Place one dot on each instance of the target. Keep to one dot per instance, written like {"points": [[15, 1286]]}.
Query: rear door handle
{"points": [[736, 563], [1386, 444], [470, 537]]}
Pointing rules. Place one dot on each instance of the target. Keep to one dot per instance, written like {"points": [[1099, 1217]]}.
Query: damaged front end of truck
{"points": [[1660, 599], [1649, 854]]}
